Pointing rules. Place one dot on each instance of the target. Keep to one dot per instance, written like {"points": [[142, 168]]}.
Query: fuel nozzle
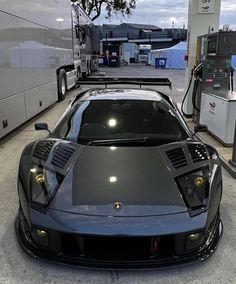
{"points": [[198, 70]]}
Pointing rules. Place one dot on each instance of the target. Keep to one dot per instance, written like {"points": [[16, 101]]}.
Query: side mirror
{"points": [[80, 34], [200, 128], [77, 32], [83, 32], [41, 126]]}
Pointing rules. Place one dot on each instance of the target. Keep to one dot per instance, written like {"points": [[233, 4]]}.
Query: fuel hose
{"points": [[185, 96]]}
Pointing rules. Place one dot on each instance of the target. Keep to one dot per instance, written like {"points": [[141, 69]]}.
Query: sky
{"points": [[163, 13]]}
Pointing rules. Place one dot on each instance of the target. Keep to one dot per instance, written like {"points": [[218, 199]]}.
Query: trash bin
{"points": [[160, 62], [114, 61], [102, 60]]}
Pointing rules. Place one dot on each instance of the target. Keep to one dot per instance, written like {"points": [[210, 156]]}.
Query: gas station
{"points": [[210, 98]]}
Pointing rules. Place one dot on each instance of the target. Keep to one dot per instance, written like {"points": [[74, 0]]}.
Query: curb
{"points": [[226, 165]]}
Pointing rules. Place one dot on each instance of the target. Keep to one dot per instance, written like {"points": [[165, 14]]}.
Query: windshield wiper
{"points": [[132, 140], [119, 140]]}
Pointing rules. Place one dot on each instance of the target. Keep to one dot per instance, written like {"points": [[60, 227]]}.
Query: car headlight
{"points": [[195, 188], [43, 183]]}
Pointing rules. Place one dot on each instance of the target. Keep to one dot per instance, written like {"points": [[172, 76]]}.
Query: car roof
{"points": [[123, 94]]}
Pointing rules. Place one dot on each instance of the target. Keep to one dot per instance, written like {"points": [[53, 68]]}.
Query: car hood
{"points": [[120, 181]]}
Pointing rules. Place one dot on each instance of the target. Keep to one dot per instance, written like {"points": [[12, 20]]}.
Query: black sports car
{"points": [[121, 182]]}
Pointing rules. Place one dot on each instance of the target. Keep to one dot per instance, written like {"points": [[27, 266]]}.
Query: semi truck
{"points": [[90, 45], [144, 50], [40, 57]]}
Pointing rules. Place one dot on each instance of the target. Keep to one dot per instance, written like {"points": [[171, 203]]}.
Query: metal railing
{"points": [[128, 35]]}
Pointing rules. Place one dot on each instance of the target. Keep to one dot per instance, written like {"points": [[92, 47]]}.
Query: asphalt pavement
{"points": [[16, 267]]}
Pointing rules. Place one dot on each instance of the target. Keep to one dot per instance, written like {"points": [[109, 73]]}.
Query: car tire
{"points": [[61, 85]]}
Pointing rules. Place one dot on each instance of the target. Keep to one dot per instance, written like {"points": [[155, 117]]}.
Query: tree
{"points": [[94, 7]]}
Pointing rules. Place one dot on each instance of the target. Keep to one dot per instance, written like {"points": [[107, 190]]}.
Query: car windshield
{"points": [[124, 120]]}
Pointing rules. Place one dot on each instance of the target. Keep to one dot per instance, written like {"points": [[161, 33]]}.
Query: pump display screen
{"points": [[217, 73], [212, 44]]}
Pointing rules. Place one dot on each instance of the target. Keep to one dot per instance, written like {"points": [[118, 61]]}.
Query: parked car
{"points": [[121, 182]]}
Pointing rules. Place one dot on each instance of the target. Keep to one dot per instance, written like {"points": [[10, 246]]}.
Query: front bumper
{"points": [[201, 254]]}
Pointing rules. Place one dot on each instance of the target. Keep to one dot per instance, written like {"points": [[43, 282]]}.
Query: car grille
{"points": [[117, 248]]}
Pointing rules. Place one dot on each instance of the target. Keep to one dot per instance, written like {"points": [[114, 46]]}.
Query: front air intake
{"points": [[62, 155], [198, 152], [177, 157], [43, 149]]}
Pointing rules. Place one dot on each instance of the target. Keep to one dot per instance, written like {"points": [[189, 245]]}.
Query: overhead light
{"points": [[60, 20], [113, 179], [112, 122], [113, 148]]}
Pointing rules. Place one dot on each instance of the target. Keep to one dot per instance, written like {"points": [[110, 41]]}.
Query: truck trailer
{"points": [[130, 52], [40, 59]]}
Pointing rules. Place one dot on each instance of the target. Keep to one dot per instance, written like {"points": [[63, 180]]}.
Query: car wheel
{"points": [[61, 85]]}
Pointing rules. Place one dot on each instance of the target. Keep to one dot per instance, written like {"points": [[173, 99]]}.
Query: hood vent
{"points": [[62, 155], [43, 149], [177, 157], [198, 152]]}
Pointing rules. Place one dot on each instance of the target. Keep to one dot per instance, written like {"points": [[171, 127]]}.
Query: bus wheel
{"points": [[61, 85]]}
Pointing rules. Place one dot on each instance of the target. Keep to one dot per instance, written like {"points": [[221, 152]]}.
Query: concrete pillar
{"points": [[203, 18]]}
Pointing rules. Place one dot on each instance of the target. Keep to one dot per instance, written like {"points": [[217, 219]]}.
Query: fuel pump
{"points": [[203, 18], [196, 81], [213, 98]]}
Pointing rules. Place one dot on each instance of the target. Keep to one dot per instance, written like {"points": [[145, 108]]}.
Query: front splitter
{"points": [[36, 252]]}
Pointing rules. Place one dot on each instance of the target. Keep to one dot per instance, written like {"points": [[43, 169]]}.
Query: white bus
{"points": [[39, 57]]}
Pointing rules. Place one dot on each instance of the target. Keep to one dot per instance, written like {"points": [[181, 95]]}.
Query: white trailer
{"points": [[39, 57], [130, 52]]}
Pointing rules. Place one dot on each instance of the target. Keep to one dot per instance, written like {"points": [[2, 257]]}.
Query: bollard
{"points": [[233, 161]]}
